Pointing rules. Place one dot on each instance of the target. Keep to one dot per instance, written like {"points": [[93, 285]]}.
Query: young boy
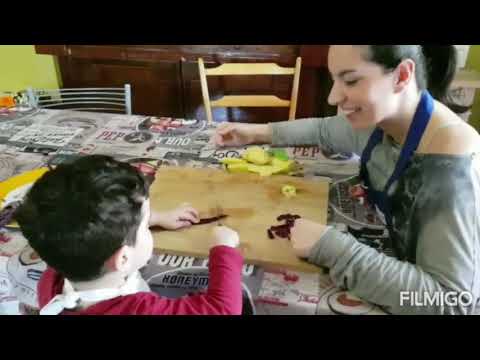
{"points": [[89, 221]]}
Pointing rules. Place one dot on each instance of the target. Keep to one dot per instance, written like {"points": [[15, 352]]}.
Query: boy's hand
{"points": [[222, 235], [183, 216]]}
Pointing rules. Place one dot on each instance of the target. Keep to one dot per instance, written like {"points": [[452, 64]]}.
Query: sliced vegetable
{"points": [[230, 161], [256, 155], [289, 191], [238, 168]]}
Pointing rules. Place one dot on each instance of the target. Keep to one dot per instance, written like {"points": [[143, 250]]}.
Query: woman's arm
{"points": [[444, 224], [334, 133]]}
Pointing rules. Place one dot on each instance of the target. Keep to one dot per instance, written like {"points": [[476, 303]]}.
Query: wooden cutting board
{"points": [[252, 204]]}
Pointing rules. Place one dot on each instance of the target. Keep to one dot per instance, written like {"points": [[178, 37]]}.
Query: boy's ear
{"points": [[120, 260]]}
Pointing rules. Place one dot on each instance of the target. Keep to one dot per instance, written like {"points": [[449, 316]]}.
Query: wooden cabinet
{"points": [[165, 80]]}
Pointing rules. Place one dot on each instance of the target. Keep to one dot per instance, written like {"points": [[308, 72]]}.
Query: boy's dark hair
{"points": [[435, 64], [77, 215]]}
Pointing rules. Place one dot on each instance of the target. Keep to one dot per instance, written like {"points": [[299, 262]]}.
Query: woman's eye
{"points": [[351, 82]]}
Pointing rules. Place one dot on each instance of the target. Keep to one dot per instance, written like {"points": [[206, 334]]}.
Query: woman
{"points": [[419, 165]]}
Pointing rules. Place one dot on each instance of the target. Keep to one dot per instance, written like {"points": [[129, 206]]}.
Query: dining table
{"points": [[33, 140]]}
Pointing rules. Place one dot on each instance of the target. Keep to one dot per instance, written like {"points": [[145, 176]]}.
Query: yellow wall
{"points": [[21, 67], [473, 63]]}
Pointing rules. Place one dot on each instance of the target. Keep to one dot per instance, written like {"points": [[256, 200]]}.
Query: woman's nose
{"points": [[336, 95]]}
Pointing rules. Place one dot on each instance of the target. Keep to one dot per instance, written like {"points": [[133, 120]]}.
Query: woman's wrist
{"points": [[263, 134]]}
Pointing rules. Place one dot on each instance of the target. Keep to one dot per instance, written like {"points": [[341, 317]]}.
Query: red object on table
{"points": [[357, 191]]}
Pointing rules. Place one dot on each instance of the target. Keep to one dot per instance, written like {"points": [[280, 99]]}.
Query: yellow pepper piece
{"points": [[238, 168], [230, 161], [261, 170], [289, 191], [282, 166], [256, 155]]}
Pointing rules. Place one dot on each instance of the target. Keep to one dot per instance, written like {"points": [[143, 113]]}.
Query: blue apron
{"points": [[419, 123]]}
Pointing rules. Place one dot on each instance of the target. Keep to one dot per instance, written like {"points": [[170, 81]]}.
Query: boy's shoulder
{"points": [[141, 303]]}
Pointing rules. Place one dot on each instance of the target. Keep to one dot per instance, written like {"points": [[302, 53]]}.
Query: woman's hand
{"points": [[304, 235], [235, 134]]}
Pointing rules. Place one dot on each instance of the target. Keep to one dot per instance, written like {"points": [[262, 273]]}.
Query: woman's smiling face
{"points": [[362, 90]]}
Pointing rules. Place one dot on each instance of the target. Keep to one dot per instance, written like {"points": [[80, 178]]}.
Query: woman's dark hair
{"points": [[435, 64], [77, 215]]}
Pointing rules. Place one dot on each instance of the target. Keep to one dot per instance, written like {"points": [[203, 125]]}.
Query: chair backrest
{"points": [[234, 69], [116, 100]]}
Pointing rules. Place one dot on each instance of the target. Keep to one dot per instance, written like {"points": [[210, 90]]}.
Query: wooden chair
{"points": [[112, 100], [234, 69]]}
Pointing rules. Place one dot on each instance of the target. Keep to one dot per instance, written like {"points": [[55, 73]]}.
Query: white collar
{"points": [[69, 298]]}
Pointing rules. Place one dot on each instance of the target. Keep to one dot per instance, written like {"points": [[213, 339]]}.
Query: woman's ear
{"points": [[404, 74], [120, 260]]}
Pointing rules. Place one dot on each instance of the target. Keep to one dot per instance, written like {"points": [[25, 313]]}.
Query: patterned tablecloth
{"points": [[35, 138]]}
